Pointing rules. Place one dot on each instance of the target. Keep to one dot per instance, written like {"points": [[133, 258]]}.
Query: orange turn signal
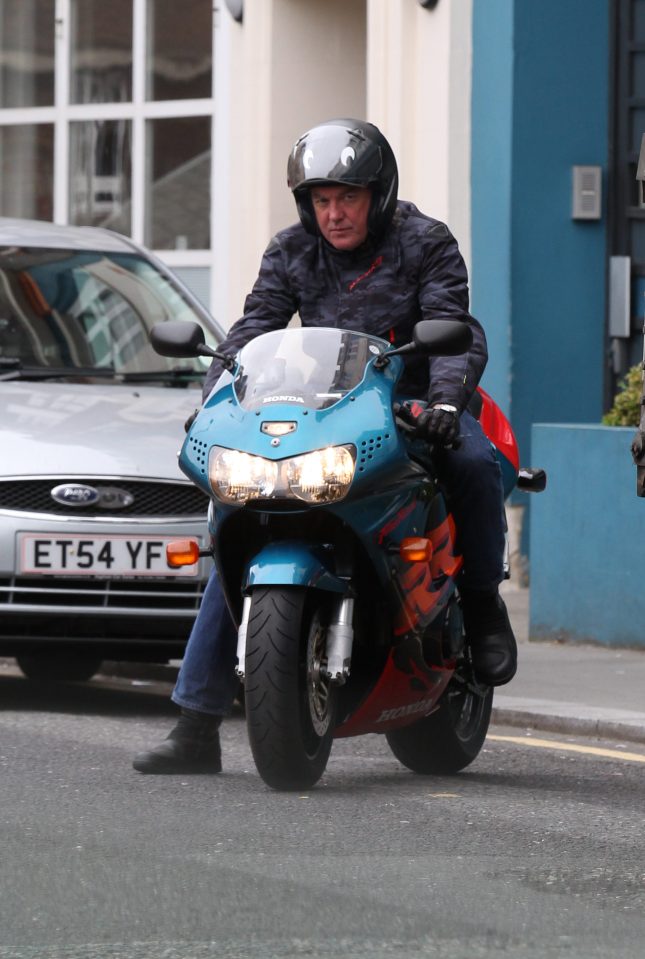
{"points": [[182, 552], [416, 549]]}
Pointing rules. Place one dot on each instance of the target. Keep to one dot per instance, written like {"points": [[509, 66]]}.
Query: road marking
{"points": [[571, 748]]}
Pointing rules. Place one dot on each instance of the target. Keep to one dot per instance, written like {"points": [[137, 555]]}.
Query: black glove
{"points": [[437, 424], [191, 419]]}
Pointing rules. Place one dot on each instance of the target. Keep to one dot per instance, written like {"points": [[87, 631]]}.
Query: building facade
{"points": [[518, 123]]}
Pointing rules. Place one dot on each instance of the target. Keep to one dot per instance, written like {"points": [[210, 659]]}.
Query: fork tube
{"points": [[241, 637], [340, 637]]}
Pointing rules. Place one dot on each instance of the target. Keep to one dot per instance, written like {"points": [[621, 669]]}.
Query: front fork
{"points": [[340, 638], [241, 636]]}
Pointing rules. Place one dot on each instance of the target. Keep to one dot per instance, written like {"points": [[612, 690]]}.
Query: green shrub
{"points": [[626, 410]]}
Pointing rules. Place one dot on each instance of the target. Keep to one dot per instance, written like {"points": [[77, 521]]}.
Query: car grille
{"points": [[150, 498], [109, 594]]}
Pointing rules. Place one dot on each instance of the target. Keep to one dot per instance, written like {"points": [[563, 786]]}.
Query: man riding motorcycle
{"points": [[362, 259]]}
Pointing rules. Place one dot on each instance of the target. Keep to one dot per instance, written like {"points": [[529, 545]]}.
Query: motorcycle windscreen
{"points": [[314, 367]]}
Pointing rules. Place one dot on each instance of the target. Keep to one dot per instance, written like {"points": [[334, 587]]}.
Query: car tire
{"points": [[59, 667]]}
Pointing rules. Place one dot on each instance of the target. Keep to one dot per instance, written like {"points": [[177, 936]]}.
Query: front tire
{"points": [[290, 704], [450, 738]]}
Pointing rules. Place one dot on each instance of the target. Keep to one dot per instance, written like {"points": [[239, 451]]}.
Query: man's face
{"points": [[341, 214]]}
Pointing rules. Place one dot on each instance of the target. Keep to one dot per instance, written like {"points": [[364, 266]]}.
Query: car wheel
{"points": [[59, 667]]}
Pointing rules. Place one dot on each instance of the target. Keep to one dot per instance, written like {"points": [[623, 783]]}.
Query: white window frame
{"points": [[138, 112]]}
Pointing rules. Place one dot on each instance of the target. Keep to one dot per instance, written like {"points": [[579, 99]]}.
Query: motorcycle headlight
{"points": [[323, 476], [235, 476]]}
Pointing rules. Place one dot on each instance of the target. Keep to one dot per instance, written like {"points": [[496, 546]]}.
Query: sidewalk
{"points": [[565, 688]]}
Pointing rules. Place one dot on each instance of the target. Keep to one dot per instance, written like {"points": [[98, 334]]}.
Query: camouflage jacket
{"points": [[414, 272]]}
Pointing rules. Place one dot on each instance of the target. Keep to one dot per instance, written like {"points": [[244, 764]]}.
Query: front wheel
{"points": [[451, 737], [290, 703]]}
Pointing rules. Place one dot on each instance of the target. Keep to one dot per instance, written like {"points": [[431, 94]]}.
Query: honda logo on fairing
{"points": [[283, 399], [75, 494]]}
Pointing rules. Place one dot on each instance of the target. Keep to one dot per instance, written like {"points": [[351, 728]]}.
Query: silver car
{"points": [[91, 419]]}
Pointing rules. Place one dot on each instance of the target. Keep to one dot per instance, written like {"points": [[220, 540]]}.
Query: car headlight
{"points": [[323, 476]]}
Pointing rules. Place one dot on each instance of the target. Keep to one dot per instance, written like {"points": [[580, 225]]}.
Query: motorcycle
{"points": [[336, 548]]}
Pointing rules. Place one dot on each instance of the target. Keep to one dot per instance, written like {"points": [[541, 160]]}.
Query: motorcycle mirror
{"points": [[442, 337], [178, 338]]}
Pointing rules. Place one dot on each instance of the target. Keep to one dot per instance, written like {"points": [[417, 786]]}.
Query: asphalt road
{"points": [[536, 852]]}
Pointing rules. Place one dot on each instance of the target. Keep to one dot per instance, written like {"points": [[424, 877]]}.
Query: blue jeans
{"points": [[207, 682], [472, 480]]}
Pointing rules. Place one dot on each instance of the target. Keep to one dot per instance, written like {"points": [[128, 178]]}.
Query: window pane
{"points": [[26, 171], [637, 120], [637, 74], [26, 53], [637, 239], [178, 183], [638, 20], [101, 51], [179, 49], [198, 281], [100, 174]]}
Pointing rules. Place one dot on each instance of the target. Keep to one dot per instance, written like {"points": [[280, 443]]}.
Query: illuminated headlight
{"points": [[236, 477], [323, 476]]}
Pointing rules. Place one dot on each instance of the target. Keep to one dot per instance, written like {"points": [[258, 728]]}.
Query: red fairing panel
{"points": [[498, 429]]}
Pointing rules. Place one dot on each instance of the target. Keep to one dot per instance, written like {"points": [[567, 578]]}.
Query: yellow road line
{"points": [[570, 747]]}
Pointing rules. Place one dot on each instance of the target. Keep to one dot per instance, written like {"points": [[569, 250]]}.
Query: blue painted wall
{"points": [[492, 150], [587, 535], [539, 106]]}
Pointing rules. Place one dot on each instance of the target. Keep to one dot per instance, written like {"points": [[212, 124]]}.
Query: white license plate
{"points": [[104, 556]]}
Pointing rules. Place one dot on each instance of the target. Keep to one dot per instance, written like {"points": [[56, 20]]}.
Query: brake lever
{"points": [[409, 428], [405, 422], [404, 425]]}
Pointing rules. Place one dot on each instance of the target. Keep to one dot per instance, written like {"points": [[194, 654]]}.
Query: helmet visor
{"points": [[334, 154]]}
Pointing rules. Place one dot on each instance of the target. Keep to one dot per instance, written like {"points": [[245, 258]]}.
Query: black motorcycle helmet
{"points": [[349, 152]]}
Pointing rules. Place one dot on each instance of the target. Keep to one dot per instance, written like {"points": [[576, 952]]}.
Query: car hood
{"points": [[84, 430]]}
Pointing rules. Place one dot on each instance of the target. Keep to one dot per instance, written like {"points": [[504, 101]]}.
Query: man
{"points": [[359, 258]]}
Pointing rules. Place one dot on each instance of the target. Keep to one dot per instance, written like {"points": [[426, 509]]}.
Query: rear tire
{"points": [[450, 738], [290, 705], [60, 667]]}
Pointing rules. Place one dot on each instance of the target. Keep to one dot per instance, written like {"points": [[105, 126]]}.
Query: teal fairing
{"points": [[351, 409], [298, 391]]}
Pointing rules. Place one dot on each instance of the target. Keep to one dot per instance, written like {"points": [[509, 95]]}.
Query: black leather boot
{"points": [[490, 636], [192, 747]]}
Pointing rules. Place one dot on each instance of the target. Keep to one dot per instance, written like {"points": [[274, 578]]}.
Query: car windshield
{"points": [[67, 312], [314, 367]]}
